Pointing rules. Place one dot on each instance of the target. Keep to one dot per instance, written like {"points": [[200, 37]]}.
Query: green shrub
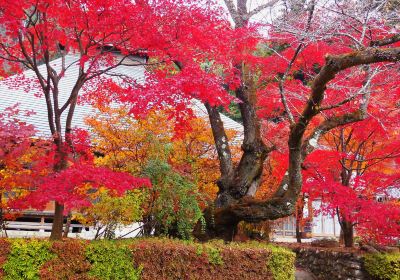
{"points": [[383, 266], [214, 256], [25, 259], [281, 263], [209, 250], [111, 260], [176, 207]]}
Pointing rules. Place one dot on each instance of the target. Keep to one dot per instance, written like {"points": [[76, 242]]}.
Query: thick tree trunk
{"points": [[348, 233], [217, 226], [221, 222], [58, 222]]}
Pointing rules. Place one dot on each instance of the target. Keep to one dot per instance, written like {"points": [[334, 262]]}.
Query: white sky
{"points": [[264, 16]]}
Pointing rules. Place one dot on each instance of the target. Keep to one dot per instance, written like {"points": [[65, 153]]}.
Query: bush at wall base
{"points": [[142, 259], [383, 266]]}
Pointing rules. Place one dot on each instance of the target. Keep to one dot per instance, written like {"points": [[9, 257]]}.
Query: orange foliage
{"points": [[128, 144]]}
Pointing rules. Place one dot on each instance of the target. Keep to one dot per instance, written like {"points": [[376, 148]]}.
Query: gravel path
{"points": [[302, 274]]}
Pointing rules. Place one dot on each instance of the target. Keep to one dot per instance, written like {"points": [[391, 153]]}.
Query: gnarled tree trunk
{"points": [[238, 184]]}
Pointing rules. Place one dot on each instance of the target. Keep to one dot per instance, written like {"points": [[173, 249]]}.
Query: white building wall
{"points": [[324, 225]]}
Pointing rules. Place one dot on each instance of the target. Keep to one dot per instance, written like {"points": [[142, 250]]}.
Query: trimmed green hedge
{"points": [[383, 266], [111, 260], [25, 259], [142, 259], [280, 263]]}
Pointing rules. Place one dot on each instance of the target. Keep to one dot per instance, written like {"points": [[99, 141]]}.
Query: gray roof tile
{"points": [[28, 101]]}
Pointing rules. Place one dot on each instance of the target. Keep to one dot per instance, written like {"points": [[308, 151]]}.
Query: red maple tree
{"points": [[316, 76], [15, 152], [357, 180], [36, 32], [77, 185]]}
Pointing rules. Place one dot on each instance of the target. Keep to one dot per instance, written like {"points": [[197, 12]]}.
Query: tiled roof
{"points": [[28, 101]]}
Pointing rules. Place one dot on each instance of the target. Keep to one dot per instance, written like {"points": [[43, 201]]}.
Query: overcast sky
{"points": [[264, 16]]}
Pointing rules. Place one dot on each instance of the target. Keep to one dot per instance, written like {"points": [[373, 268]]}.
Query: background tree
{"points": [[38, 31], [183, 168], [110, 213], [17, 151], [75, 186], [357, 181]]}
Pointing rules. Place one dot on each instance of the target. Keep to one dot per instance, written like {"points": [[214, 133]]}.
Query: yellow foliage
{"points": [[128, 144], [110, 211]]}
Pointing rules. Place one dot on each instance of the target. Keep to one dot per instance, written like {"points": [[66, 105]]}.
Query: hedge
{"points": [[143, 259], [166, 259], [25, 259], [383, 266]]}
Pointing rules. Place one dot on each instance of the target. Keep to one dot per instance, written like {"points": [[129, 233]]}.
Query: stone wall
{"points": [[328, 264]]}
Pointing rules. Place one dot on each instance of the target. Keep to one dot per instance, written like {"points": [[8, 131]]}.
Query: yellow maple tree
{"points": [[128, 144]]}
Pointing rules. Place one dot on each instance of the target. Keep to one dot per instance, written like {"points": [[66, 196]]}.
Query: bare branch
{"points": [[283, 79], [295, 55], [344, 101], [335, 64], [386, 41], [364, 91], [260, 8]]}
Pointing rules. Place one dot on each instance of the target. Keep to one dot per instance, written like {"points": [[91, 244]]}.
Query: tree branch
{"points": [[232, 10], [261, 8], [386, 41], [221, 141], [292, 182]]}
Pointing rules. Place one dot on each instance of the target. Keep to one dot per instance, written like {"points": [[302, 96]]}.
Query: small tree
{"points": [[36, 32], [109, 213], [358, 170]]}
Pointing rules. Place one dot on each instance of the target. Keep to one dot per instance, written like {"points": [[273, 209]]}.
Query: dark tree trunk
{"points": [[3, 228], [299, 217], [58, 222], [298, 232], [67, 226], [60, 164], [348, 233], [148, 225], [218, 225]]}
